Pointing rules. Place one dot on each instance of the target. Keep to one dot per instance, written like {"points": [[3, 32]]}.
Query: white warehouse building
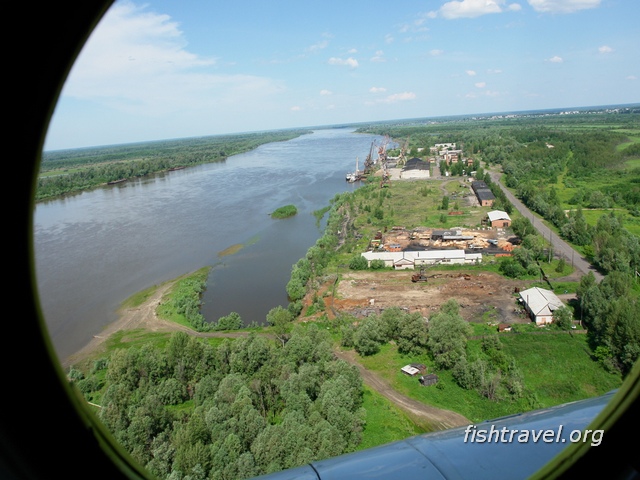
{"points": [[411, 259]]}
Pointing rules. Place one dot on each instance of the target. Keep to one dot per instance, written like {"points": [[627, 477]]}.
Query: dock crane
{"points": [[386, 176], [382, 159], [402, 158], [368, 162], [382, 150]]}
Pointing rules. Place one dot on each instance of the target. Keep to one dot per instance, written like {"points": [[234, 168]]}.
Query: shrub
{"points": [[233, 321], [377, 264], [358, 263]]}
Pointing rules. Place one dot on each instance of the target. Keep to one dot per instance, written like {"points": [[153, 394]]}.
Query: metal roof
{"points": [[418, 255], [541, 301], [498, 215], [484, 194]]}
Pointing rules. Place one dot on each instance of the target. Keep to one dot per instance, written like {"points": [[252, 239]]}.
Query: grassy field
{"points": [[557, 368], [410, 204], [448, 395], [413, 203], [630, 222], [385, 422]]}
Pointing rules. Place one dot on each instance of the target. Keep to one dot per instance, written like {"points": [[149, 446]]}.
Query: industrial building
{"points": [[483, 193], [499, 219], [540, 304], [409, 259], [416, 168]]}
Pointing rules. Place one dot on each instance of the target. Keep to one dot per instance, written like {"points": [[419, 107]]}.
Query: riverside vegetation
{"points": [[68, 171], [284, 212], [187, 407]]}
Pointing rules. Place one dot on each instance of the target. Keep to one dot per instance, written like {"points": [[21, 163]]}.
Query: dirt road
{"points": [[437, 418], [145, 317]]}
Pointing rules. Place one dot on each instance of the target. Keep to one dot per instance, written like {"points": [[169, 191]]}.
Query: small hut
{"points": [[409, 370], [427, 380]]}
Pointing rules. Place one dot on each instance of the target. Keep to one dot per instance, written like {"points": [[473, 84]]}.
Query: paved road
{"points": [[560, 246]]}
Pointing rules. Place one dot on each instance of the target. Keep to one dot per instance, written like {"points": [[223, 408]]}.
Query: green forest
{"points": [[70, 171], [236, 410]]}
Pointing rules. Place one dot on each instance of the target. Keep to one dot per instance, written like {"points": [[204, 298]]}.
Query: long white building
{"points": [[411, 259]]}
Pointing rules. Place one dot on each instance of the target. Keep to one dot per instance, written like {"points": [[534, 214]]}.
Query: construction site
{"points": [[488, 240], [483, 296]]}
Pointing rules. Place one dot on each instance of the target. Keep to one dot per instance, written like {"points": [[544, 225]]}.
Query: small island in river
{"points": [[284, 212]]}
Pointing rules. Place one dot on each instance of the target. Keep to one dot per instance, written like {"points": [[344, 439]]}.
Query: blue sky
{"points": [[165, 69]]}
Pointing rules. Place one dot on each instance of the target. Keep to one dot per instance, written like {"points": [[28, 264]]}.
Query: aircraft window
{"points": [[616, 419]]}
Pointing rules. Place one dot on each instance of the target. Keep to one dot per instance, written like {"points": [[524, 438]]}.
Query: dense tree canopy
{"points": [[247, 407], [611, 314], [448, 333]]}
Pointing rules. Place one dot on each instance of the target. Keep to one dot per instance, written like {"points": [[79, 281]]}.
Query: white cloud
{"points": [[632, 77], [388, 38], [471, 73], [136, 62], [321, 45], [326, 92], [349, 62], [562, 6], [416, 26], [435, 52], [130, 42], [378, 57], [494, 71], [485, 93], [472, 8], [480, 84], [296, 108], [556, 59], [399, 97], [605, 49], [352, 51], [377, 89]]}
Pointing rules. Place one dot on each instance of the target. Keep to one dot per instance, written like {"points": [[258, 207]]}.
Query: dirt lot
{"points": [[477, 293]]}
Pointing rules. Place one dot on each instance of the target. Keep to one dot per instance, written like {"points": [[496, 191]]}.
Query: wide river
{"points": [[93, 250]]}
